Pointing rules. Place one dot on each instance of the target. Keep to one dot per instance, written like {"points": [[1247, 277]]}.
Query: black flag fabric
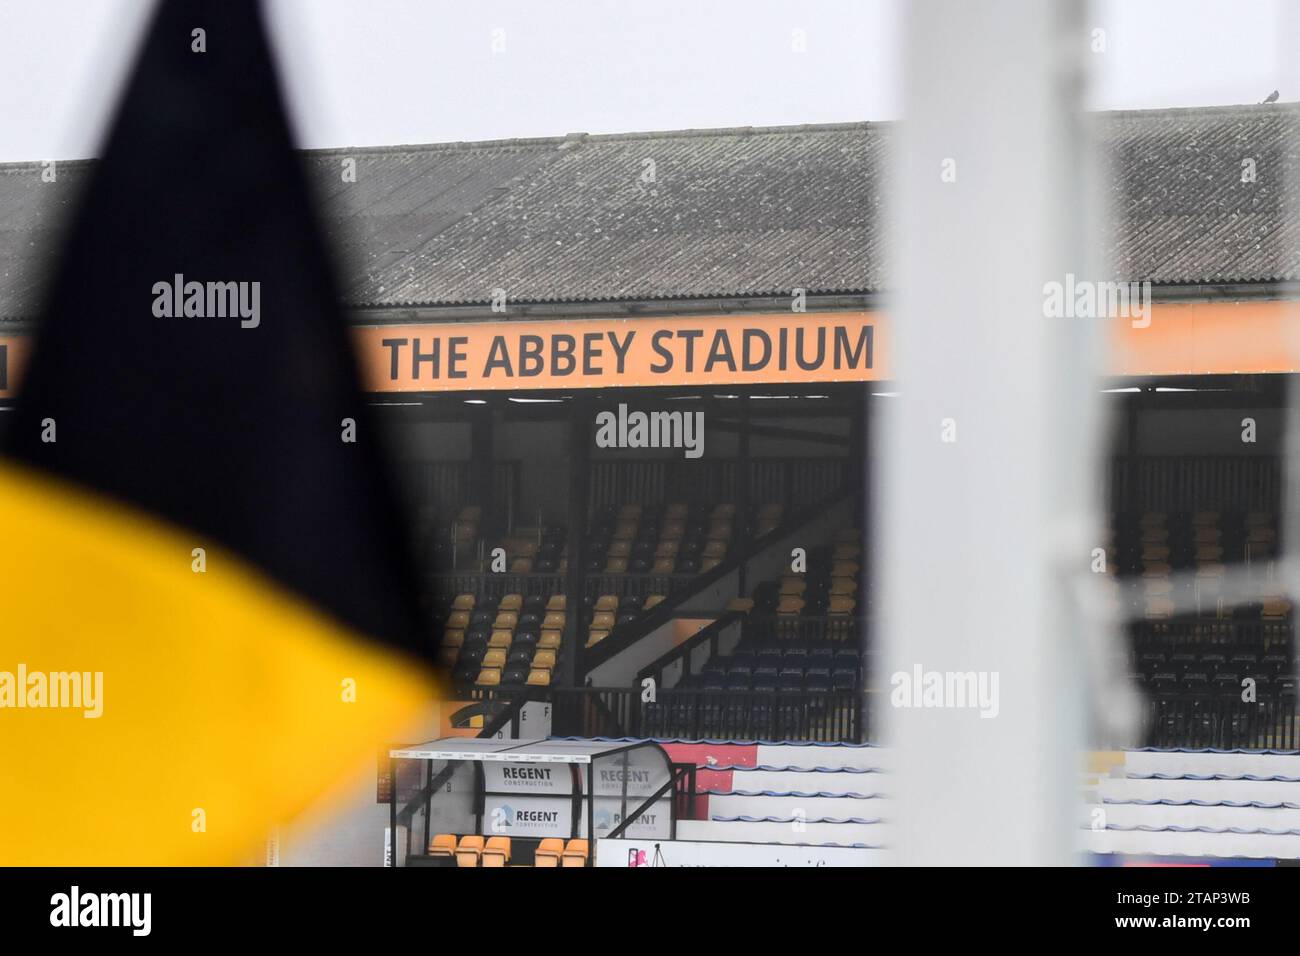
{"points": [[200, 537]]}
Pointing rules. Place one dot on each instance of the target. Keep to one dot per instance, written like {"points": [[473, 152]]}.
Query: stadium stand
{"points": [[1200, 804]]}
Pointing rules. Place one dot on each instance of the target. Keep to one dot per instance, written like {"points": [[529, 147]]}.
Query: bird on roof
{"points": [[1271, 98]]}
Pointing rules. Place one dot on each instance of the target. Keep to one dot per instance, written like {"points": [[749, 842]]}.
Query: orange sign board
{"points": [[587, 353], [13, 357], [1197, 338]]}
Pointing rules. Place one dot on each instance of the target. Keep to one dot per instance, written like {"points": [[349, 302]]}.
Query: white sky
{"points": [[382, 72]]}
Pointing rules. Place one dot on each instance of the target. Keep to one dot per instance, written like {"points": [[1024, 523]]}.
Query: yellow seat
{"points": [[495, 657], [595, 636], [458, 619], [556, 602], [843, 586], [844, 569], [616, 566], [444, 844], [549, 852], [719, 531], [651, 601], [539, 678], [663, 566], [619, 549], [469, 850], [497, 851], [506, 620], [740, 604], [554, 621], [550, 641], [607, 602], [668, 548], [790, 606], [840, 606], [793, 584], [463, 602], [489, 677], [544, 659], [575, 853], [603, 619], [708, 564], [501, 638], [715, 549], [521, 566], [453, 637], [673, 531]]}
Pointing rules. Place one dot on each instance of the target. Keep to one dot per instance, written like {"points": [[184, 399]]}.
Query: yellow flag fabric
{"points": [[224, 701]]}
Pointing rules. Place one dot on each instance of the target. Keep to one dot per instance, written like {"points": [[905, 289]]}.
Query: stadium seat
{"points": [[469, 850], [551, 640], [489, 677], [549, 852], [539, 678], [575, 853], [497, 851], [443, 844], [463, 602]]}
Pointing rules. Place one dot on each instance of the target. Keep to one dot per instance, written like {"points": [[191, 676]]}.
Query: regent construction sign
{"points": [[697, 350]]}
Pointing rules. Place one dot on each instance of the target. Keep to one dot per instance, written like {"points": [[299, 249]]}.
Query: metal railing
{"points": [[684, 651], [770, 628], [695, 714], [1221, 722]]}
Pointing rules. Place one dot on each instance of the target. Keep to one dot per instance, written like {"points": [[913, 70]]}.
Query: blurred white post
{"points": [[988, 461]]}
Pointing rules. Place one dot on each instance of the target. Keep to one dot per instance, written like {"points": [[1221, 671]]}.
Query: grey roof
{"points": [[731, 213]]}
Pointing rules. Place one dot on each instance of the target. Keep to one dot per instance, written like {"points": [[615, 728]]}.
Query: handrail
{"points": [[675, 774], [709, 632], [662, 613]]}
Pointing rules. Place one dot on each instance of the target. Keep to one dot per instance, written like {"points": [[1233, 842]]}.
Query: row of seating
{"points": [[1145, 551], [473, 850], [1142, 543], [514, 640]]}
